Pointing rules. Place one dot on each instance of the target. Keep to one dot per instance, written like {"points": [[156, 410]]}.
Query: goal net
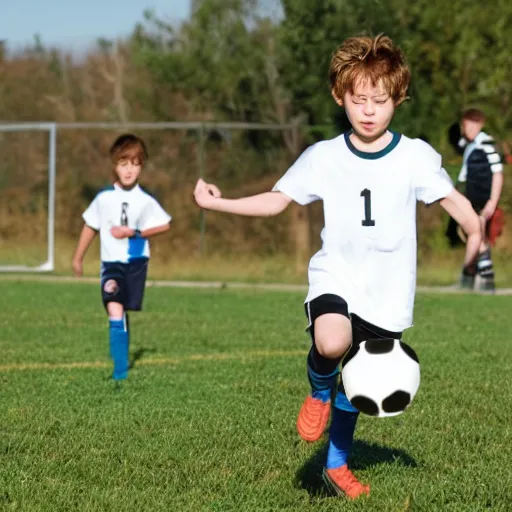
{"points": [[27, 197]]}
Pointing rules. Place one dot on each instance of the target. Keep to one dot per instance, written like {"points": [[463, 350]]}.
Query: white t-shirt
{"points": [[368, 254], [134, 208]]}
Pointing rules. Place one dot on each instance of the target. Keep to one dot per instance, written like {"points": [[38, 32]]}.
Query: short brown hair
{"points": [[129, 146], [369, 58], [473, 114]]}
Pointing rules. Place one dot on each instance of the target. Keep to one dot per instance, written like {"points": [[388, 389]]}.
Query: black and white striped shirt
{"points": [[480, 161]]}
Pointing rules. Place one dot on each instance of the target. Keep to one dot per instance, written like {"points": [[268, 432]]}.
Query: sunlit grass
{"points": [[206, 420]]}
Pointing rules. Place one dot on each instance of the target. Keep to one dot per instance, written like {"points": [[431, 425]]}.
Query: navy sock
{"points": [[322, 374], [320, 364], [119, 348], [322, 385], [341, 432]]}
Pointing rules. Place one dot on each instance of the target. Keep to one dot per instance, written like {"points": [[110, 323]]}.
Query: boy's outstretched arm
{"points": [[86, 237], [266, 204], [459, 207]]}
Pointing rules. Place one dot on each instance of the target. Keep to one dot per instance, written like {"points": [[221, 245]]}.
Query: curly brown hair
{"points": [[375, 59]]}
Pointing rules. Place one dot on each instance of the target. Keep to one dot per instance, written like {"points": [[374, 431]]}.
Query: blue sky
{"points": [[75, 24]]}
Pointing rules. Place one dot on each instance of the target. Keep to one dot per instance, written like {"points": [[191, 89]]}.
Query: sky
{"points": [[76, 24]]}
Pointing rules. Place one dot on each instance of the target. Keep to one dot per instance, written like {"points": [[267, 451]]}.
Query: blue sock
{"points": [[341, 433], [322, 385], [119, 348]]}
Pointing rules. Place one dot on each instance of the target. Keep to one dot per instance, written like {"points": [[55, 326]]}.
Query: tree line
{"points": [[237, 60]]}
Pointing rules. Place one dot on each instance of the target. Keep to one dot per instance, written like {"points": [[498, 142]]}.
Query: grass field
{"points": [[206, 420]]}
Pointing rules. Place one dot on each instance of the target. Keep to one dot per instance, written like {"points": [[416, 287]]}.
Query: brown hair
{"points": [[369, 58], [129, 146], [473, 114]]}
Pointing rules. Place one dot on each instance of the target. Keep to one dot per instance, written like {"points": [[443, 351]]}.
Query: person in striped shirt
{"points": [[482, 172]]}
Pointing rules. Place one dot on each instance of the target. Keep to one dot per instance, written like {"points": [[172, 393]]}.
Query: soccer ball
{"points": [[381, 376]]}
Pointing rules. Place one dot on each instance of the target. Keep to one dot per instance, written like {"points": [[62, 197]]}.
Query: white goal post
{"points": [[51, 128]]}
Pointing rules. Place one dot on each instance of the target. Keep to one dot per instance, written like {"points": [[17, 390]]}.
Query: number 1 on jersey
{"points": [[367, 194]]}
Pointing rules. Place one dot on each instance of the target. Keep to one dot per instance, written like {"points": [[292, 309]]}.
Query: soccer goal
{"points": [[27, 197]]}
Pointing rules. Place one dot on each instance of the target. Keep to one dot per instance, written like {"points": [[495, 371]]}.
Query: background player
{"points": [[482, 172], [125, 216]]}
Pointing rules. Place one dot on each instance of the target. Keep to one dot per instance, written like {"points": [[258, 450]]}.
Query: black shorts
{"points": [[124, 283], [478, 204], [361, 329]]}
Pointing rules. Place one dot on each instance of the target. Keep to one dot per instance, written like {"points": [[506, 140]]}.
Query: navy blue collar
{"points": [[378, 154]]}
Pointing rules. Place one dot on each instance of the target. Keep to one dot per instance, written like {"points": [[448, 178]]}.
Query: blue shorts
{"points": [[124, 283]]}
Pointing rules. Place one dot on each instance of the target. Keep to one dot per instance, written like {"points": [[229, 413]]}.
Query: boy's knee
{"points": [[332, 347], [115, 310], [333, 335]]}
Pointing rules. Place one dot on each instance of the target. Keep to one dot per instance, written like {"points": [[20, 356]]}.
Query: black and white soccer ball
{"points": [[381, 376]]}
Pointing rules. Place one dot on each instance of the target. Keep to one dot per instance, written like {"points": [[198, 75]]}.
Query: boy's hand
{"points": [[206, 193], [488, 210], [122, 232], [77, 267]]}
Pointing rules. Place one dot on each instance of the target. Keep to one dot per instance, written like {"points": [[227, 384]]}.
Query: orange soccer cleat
{"points": [[313, 418], [342, 481]]}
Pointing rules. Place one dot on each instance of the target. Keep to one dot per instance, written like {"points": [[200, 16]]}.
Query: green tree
{"points": [[216, 59]]}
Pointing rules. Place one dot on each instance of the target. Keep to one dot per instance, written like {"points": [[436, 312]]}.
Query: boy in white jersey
{"points": [[125, 216], [362, 281]]}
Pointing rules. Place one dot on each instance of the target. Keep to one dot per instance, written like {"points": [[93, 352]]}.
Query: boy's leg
{"points": [[341, 437], [467, 279], [119, 341], [344, 419], [331, 336], [485, 268], [136, 274], [113, 289], [468, 274]]}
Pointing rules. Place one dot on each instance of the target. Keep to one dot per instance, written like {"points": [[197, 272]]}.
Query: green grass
{"points": [[206, 420]]}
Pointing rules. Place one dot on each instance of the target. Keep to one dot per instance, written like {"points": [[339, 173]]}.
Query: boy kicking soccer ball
{"points": [[362, 281], [125, 216]]}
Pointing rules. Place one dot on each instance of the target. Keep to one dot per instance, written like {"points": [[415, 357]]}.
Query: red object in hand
{"points": [[496, 223]]}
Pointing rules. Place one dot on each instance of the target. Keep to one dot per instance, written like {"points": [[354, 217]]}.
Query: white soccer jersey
{"points": [[134, 208], [368, 255]]}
